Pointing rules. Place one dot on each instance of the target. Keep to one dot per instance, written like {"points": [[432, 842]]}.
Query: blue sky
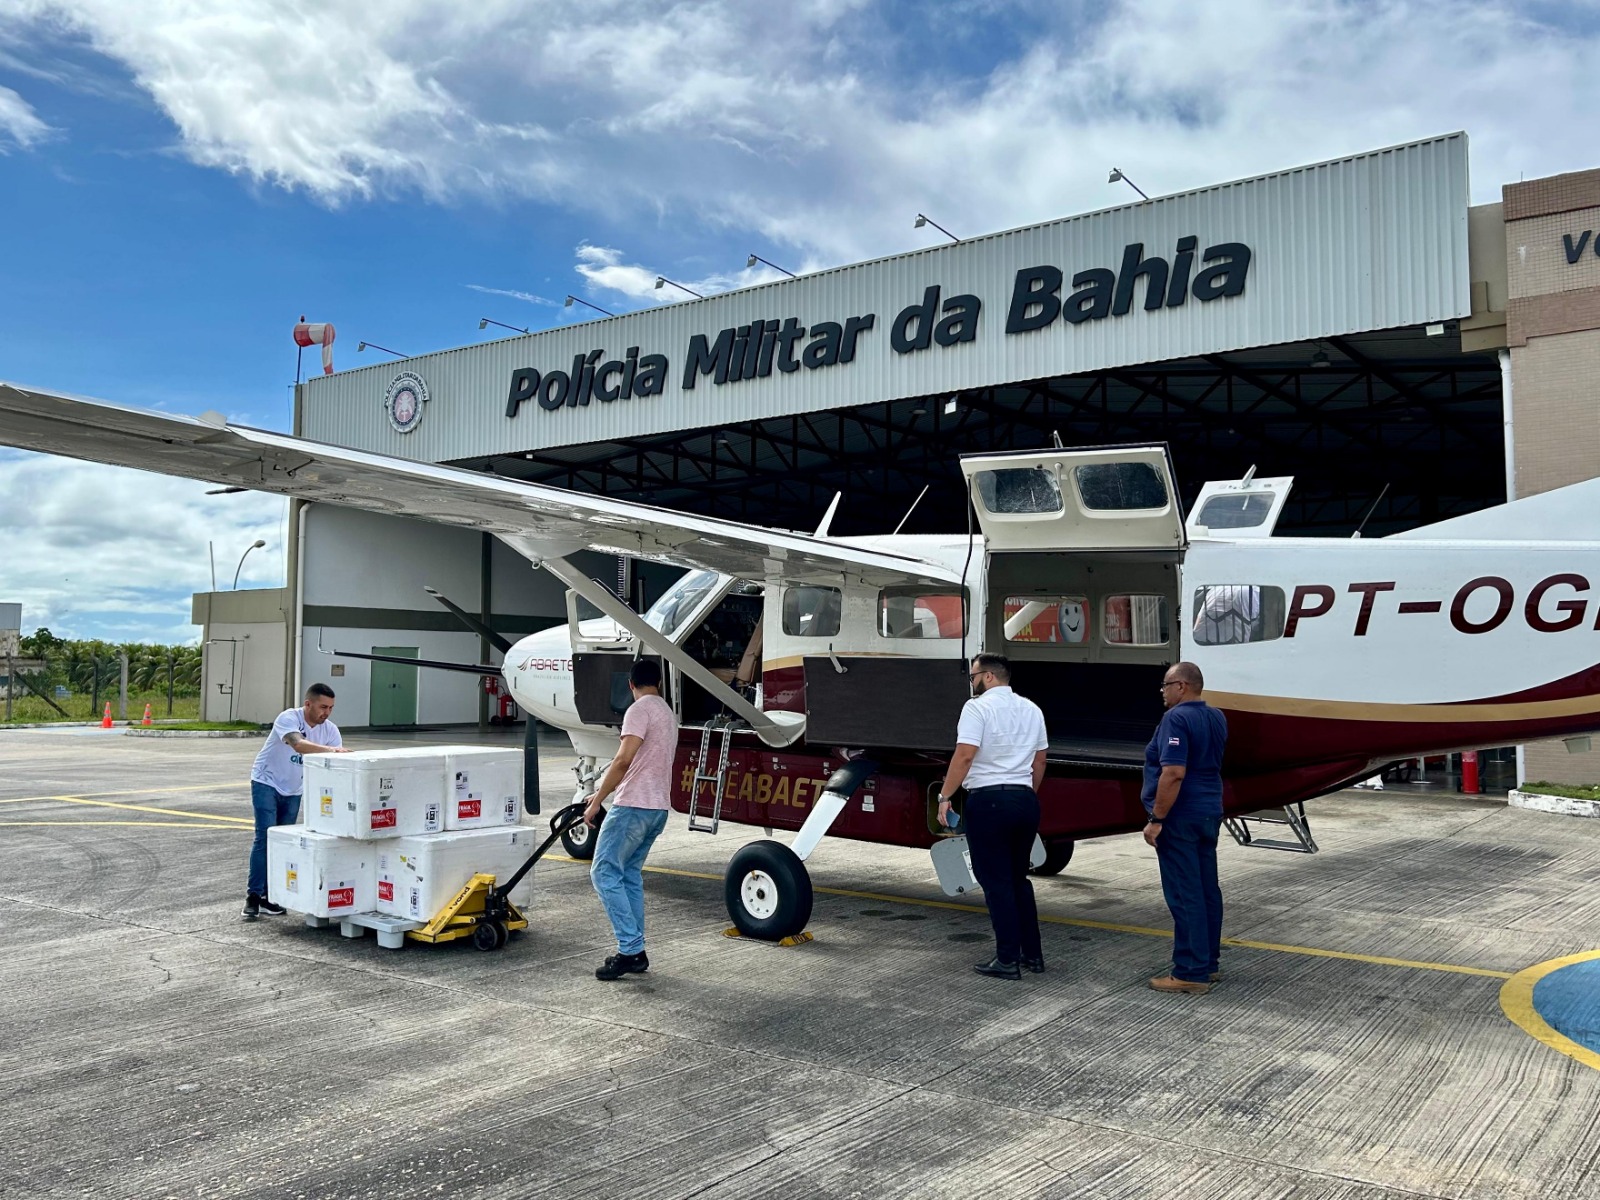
{"points": [[181, 179]]}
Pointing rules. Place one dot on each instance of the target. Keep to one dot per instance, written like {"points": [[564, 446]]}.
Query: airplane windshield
{"points": [[680, 600]]}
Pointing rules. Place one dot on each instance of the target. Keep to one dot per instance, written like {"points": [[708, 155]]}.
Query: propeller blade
{"points": [[530, 765], [471, 622]]}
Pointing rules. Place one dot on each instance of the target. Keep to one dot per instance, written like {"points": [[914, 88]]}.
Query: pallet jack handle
{"points": [[564, 820]]}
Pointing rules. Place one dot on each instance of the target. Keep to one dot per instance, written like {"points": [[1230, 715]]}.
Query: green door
{"points": [[394, 688]]}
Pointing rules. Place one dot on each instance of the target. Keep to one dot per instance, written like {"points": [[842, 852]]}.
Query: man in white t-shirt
{"points": [[275, 781], [1000, 757], [641, 777]]}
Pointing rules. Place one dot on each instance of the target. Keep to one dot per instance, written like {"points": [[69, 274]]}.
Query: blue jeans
{"points": [[1187, 851], [271, 809], [626, 836]]}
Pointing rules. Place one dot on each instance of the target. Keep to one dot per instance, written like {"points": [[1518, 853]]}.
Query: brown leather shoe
{"points": [[1170, 983], [1214, 976]]}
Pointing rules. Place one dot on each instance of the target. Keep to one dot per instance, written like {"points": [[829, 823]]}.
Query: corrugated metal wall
{"points": [[1374, 241]]}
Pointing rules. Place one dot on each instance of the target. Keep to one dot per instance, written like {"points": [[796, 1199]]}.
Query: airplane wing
{"points": [[537, 520]]}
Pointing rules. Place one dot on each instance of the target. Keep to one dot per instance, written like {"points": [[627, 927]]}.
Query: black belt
{"points": [[1001, 787]]}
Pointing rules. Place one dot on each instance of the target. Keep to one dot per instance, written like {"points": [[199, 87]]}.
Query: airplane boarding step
{"points": [[698, 821], [1294, 817]]}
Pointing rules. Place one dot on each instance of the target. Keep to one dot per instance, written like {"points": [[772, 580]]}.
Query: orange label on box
{"points": [[341, 897], [469, 809], [384, 818], [385, 889]]}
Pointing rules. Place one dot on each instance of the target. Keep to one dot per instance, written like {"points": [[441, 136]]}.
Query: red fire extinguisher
{"points": [[1469, 772]]}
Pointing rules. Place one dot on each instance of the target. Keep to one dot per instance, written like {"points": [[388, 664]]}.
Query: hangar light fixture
{"points": [[485, 322], [571, 300], [662, 279], [360, 346], [1320, 360], [756, 258], [950, 406], [1117, 176], [924, 219]]}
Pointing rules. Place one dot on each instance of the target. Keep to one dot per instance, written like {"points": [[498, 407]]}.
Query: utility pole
{"points": [[122, 693]]}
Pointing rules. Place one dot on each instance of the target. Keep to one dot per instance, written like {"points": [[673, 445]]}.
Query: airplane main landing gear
{"points": [[768, 891]]}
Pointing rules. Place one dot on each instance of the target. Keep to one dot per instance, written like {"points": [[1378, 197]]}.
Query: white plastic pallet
{"points": [[391, 931]]}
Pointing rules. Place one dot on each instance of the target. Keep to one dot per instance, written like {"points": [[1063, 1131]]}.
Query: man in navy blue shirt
{"points": [[1183, 795]]}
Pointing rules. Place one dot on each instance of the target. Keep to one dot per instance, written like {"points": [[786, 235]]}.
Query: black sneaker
{"points": [[269, 909], [619, 965], [252, 906]]}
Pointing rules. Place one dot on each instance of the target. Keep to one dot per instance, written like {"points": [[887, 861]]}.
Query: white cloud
{"points": [[804, 124], [94, 551], [602, 268], [526, 297], [18, 122]]}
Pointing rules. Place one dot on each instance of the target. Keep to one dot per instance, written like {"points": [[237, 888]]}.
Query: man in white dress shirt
{"points": [[1000, 757]]}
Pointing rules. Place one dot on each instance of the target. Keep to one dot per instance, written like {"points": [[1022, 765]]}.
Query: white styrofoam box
{"points": [[417, 876], [320, 874], [376, 793], [486, 787]]}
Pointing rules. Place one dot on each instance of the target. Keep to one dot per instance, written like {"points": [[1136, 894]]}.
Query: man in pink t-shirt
{"points": [[641, 777]]}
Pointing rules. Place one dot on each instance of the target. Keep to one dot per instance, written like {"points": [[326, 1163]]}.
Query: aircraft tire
{"points": [[1057, 854], [579, 840], [768, 891]]}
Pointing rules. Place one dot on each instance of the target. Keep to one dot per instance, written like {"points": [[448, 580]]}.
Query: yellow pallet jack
{"points": [[483, 910]]}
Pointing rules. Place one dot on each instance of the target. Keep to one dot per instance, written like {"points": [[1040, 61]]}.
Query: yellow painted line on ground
{"points": [[166, 812], [1110, 927], [1516, 1001], [203, 787], [138, 824]]}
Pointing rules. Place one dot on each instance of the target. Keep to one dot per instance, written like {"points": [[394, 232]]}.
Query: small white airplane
{"points": [[819, 679]]}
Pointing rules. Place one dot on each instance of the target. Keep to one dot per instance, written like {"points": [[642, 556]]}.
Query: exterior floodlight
{"points": [[255, 545], [571, 300], [1117, 176], [924, 219], [360, 346], [485, 322], [756, 258], [662, 279]]}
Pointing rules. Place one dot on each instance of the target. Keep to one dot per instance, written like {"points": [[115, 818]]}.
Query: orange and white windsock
{"points": [[317, 335]]}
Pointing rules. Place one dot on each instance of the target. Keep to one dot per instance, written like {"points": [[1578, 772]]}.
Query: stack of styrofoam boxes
{"points": [[399, 832]]}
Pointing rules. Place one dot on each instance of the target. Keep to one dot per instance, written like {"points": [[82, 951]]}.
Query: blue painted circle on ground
{"points": [[1569, 1001]]}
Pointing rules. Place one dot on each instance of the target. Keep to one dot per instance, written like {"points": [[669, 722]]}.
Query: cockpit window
{"points": [[1019, 490], [680, 600]]}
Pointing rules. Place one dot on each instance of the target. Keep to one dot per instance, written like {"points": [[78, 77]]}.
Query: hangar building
{"points": [[1358, 324]]}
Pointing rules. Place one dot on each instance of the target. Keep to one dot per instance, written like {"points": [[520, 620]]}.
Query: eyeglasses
{"points": [[1166, 683], [976, 675]]}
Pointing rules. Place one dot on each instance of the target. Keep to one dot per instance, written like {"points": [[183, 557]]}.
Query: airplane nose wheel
{"points": [[579, 838], [768, 891]]}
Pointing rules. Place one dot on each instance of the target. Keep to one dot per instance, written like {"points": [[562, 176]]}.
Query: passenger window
{"points": [[1047, 620], [1121, 487], [1243, 510], [1019, 490], [1135, 621], [1231, 614], [909, 613], [812, 611]]}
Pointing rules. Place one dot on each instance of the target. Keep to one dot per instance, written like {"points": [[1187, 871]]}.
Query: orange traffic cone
{"points": [[105, 721], [147, 720]]}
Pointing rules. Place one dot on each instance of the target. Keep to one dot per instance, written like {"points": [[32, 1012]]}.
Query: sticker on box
{"points": [[341, 897]]}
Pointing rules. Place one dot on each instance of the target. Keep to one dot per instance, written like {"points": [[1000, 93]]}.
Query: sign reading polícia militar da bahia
{"points": [[1375, 241]]}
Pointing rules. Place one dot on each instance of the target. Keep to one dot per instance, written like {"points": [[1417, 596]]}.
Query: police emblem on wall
{"points": [[404, 401]]}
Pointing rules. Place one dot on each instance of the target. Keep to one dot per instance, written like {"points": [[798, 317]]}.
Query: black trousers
{"points": [[1001, 825]]}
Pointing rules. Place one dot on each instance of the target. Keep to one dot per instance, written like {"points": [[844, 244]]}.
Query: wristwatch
{"points": [[1153, 819]]}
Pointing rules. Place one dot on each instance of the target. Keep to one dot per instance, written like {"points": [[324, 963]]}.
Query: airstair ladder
{"points": [[1294, 818], [700, 822]]}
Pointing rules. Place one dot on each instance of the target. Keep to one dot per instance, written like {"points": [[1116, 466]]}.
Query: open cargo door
{"points": [[1109, 498], [1240, 508]]}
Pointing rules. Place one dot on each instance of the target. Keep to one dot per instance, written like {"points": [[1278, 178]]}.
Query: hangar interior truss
{"points": [[1396, 424]]}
